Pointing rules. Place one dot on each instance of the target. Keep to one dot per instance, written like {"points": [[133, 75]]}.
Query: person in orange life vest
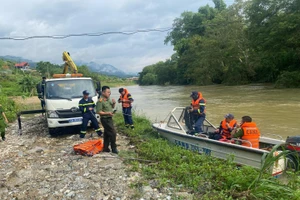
{"points": [[226, 127], [197, 111], [126, 100], [248, 131]]}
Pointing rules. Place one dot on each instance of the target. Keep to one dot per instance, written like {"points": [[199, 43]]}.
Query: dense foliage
{"points": [[249, 41]]}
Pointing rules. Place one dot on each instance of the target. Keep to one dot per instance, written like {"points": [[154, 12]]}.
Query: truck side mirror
{"points": [[98, 88], [39, 90]]}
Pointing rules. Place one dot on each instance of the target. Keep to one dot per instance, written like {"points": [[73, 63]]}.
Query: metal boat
{"points": [[173, 128]]}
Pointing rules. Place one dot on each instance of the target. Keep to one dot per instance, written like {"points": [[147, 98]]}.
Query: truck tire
{"points": [[52, 131]]}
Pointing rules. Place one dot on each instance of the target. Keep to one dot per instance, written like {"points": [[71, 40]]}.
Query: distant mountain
{"points": [[106, 69], [19, 59]]}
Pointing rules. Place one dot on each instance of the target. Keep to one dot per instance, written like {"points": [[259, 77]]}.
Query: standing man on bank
{"points": [[42, 94], [3, 122], [86, 106], [126, 100], [104, 108]]}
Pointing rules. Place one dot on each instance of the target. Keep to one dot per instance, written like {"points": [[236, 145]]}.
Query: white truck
{"points": [[62, 94]]}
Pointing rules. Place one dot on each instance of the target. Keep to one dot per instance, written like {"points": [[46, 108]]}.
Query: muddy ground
{"points": [[38, 166]]}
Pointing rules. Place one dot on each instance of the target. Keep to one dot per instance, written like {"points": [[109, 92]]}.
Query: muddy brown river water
{"points": [[276, 111]]}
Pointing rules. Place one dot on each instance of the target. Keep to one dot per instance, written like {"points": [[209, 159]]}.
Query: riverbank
{"points": [[164, 165]]}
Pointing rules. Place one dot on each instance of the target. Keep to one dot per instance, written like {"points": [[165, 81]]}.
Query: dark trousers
{"points": [[43, 104], [127, 116], [198, 122], [109, 133], [85, 120], [193, 120]]}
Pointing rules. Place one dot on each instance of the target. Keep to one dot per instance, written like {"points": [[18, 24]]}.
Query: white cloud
{"points": [[57, 17]]}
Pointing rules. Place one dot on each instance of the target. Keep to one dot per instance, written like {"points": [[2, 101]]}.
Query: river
{"points": [[276, 111]]}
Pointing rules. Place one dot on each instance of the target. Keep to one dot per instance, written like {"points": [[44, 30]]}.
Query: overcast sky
{"points": [[60, 17]]}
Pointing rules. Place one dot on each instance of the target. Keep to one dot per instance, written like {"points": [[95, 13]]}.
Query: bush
{"points": [[288, 80], [10, 108]]}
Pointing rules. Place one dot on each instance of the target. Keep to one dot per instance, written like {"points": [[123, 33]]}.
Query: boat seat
{"points": [[233, 140], [203, 134]]}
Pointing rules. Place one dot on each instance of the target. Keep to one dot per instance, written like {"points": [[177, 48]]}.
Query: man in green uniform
{"points": [[104, 108], [3, 120]]}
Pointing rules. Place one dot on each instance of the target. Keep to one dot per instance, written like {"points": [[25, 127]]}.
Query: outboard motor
{"points": [[293, 143], [293, 158]]}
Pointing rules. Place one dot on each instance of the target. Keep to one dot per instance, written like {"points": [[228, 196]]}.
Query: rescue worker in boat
{"points": [[3, 122], [196, 113], [126, 100], [105, 107], [248, 132], [86, 106], [226, 127]]}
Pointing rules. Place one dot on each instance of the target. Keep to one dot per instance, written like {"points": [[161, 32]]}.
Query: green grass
{"points": [[204, 176]]}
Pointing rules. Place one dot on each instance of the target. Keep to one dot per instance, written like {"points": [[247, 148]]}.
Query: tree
{"points": [[274, 28], [48, 69], [28, 84]]}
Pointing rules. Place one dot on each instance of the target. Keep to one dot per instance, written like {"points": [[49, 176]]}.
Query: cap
{"points": [[121, 90], [85, 92], [230, 116], [194, 93], [44, 77]]}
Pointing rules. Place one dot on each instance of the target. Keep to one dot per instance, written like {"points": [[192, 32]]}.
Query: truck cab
{"points": [[62, 96]]}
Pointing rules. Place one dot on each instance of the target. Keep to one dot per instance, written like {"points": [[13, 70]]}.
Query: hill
{"points": [[105, 69]]}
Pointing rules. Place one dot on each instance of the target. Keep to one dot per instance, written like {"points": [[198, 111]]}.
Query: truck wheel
{"points": [[292, 163], [52, 131]]}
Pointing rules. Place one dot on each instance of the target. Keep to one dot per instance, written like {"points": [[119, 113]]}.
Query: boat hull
{"points": [[241, 155]]}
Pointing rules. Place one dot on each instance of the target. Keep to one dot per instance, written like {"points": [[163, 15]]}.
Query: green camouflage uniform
{"points": [[2, 123]]}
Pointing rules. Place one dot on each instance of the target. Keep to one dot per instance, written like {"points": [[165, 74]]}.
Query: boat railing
{"points": [[172, 115], [240, 140], [177, 118], [272, 135]]}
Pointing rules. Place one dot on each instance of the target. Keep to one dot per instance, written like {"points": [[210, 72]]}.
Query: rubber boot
{"points": [[115, 151]]}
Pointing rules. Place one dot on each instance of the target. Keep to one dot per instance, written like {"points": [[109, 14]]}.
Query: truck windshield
{"points": [[69, 88]]}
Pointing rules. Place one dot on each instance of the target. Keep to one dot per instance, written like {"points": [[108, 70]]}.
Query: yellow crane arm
{"points": [[69, 63]]}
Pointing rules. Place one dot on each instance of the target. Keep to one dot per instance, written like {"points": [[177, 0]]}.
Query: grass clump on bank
{"points": [[206, 177]]}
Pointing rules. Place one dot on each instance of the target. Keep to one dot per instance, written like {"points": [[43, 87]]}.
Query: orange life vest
{"points": [[225, 131], [126, 104], [195, 103], [251, 133]]}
